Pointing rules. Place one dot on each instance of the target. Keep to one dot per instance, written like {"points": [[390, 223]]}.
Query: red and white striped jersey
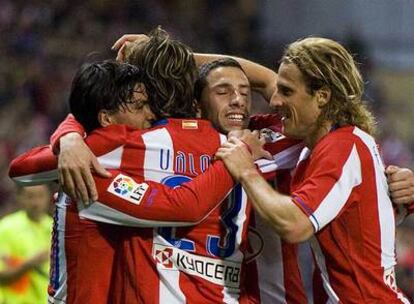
{"points": [[127, 200], [218, 243], [275, 274], [342, 187]]}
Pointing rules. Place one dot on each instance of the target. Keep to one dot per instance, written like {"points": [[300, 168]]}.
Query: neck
{"points": [[316, 136]]}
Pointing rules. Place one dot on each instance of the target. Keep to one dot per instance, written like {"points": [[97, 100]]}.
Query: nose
{"points": [[276, 100], [237, 99]]}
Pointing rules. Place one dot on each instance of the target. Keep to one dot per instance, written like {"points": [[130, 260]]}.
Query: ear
{"points": [[105, 118], [323, 96]]}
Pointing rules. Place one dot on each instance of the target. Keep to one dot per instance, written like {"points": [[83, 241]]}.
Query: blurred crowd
{"points": [[44, 42]]}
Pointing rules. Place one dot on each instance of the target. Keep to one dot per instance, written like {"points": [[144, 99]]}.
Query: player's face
{"points": [[35, 200], [226, 99], [136, 114], [298, 108]]}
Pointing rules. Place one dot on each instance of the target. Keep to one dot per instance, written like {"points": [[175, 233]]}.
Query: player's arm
{"points": [[132, 201], [10, 274], [262, 79], [37, 166], [284, 216], [76, 161]]}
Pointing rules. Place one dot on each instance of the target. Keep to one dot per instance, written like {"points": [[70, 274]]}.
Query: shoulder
{"points": [[111, 137]]}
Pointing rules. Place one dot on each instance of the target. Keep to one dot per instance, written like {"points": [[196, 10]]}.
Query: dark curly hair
{"points": [[106, 85]]}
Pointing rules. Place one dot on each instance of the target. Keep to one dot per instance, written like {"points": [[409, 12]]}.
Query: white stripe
{"points": [[386, 212], [37, 178], [61, 292], [270, 265], [229, 295], [320, 260], [286, 159], [340, 192], [169, 288], [159, 153], [112, 160], [385, 209], [156, 167], [102, 213]]}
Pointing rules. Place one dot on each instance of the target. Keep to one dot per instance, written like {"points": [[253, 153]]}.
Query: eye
{"points": [[244, 93], [222, 91], [285, 91]]}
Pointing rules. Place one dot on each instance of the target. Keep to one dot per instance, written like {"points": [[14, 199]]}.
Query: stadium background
{"points": [[43, 42]]}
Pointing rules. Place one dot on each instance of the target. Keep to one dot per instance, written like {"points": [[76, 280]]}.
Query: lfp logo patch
{"points": [[123, 185], [127, 189]]}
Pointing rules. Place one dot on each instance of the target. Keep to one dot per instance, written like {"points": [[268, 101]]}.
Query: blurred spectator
{"points": [[24, 248]]}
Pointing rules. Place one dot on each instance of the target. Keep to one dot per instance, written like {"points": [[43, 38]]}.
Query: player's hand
{"points": [[401, 184], [253, 142], [75, 163], [236, 156], [122, 43]]}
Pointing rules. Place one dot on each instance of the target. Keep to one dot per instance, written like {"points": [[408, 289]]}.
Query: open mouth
{"points": [[236, 117]]}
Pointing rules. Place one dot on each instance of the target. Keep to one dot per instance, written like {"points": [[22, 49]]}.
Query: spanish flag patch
{"points": [[189, 124]]}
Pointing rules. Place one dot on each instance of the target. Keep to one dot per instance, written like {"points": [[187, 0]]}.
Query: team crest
{"points": [[127, 189]]}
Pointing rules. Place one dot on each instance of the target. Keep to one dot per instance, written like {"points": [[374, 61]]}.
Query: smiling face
{"points": [[226, 99], [300, 109]]}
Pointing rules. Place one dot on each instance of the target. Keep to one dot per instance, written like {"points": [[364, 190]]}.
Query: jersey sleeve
{"points": [[334, 170], [37, 166], [285, 155], [70, 124], [132, 201]]}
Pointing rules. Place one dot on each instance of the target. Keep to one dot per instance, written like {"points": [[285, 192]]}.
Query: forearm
{"points": [[262, 79], [159, 205], [37, 166], [69, 125], [12, 274], [278, 209]]}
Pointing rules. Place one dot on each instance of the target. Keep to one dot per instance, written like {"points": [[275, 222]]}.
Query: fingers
{"points": [[120, 56], [267, 155], [402, 197], [99, 170], [67, 183], [396, 186], [391, 169], [81, 188], [123, 39]]}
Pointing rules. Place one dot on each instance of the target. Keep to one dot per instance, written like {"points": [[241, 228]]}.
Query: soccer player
{"points": [[339, 194]]}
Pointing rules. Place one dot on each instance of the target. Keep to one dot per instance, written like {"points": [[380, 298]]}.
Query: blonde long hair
{"points": [[325, 63]]}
